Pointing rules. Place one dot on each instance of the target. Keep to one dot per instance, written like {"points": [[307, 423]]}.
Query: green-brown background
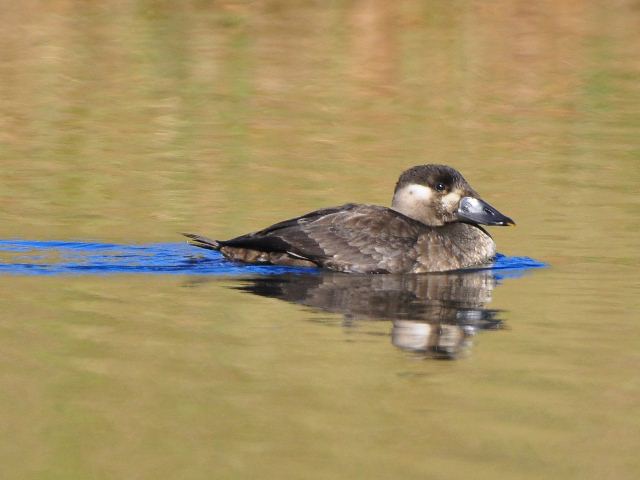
{"points": [[128, 121]]}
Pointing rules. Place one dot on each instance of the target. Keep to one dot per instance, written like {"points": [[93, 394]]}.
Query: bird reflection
{"points": [[435, 315]]}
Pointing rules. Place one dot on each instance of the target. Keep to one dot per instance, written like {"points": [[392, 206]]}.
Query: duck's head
{"points": [[436, 195]]}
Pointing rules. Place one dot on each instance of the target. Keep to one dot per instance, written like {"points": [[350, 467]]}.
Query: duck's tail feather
{"points": [[202, 242]]}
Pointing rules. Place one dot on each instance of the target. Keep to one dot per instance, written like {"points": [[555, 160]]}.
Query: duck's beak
{"points": [[478, 211]]}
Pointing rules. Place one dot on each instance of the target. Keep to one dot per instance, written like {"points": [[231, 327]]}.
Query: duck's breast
{"points": [[452, 247]]}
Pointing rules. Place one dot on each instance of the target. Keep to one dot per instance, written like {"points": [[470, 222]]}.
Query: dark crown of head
{"points": [[430, 175]]}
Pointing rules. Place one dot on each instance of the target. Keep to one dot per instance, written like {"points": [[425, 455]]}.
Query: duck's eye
{"points": [[441, 187]]}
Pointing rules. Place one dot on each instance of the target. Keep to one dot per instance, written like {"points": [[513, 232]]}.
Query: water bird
{"points": [[433, 225]]}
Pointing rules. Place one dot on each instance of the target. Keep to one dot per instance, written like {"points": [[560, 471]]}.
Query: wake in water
{"points": [[27, 257]]}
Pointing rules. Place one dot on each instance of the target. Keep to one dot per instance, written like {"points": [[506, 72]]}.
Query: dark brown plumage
{"points": [[432, 226]]}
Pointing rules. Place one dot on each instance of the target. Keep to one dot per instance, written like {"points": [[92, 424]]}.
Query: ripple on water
{"points": [[28, 257]]}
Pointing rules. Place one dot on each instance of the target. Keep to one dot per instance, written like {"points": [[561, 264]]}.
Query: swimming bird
{"points": [[433, 225]]}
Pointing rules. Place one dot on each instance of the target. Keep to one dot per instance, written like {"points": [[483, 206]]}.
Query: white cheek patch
{"points": [[451, 200], [419, 192]]}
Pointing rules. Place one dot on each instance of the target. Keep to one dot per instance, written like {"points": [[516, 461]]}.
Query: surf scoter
{"points": [[433, 225]]}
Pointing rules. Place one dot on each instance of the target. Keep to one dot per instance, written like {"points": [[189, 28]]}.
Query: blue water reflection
{"points": [[28, 257]]}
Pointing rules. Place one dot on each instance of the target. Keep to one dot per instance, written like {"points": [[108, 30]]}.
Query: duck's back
{"points": [[349, 238]]}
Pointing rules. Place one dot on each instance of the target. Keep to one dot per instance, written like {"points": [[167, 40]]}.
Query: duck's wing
{"points": [[349, 238]]}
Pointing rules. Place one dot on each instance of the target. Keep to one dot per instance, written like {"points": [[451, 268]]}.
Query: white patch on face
{"points": [[419, 202], [420, 192], [451, 200], [410, 197]]}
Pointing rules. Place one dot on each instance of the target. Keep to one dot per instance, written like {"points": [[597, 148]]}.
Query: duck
{"points": [[434, 224]]}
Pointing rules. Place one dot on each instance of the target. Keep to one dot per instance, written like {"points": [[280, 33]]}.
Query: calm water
{"points": [[123, 123]]}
